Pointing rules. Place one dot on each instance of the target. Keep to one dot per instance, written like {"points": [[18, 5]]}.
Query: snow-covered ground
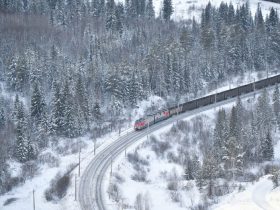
{"points": [[189, 9], [258, 195], [24, 193]]}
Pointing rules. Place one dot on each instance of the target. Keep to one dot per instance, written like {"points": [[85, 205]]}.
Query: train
{"points": [[161, 115]]}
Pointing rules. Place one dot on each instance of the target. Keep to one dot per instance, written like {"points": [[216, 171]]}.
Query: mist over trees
{"points": [[76, 66]]}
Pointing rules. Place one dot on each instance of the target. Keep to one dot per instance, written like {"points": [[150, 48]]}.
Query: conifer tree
{"points": [[111, 18], [233, 125], [69, 127], [233, 156], [82, 103], [264, 112], [276, 105], [57, 111], [15, 108], [220, 134], [21, 150], [167, 9], [150, 12], [37, 108], [2, 115], [267, 150], [119, 13]]}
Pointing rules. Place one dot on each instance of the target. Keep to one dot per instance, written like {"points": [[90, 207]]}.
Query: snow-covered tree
{"points": [[167, 9], [22, 149], [267, 151], [276, 105]]}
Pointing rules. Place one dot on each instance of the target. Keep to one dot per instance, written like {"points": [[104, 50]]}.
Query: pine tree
{"points": [[267, 151], [191, 168], [57, 111], [2, 115], [16, 108], [264, 113], [97, 113], [111, 18], [273, 31], [276, 105], [233, 126], [21, 150], [168, 75], [37, 108], [133, 91], [31, 154], [150, 12], [82, 103], [220, 134], [210, 172], [18, 74], [69, 127], [119, 13], [233, 156], [167, 9]]}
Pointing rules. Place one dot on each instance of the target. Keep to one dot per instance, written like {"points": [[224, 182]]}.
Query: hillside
{"points": [[75, 75], [184, 166], [189, 9]]}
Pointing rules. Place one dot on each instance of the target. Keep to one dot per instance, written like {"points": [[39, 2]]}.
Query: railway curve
{"points": [[90, 186]]}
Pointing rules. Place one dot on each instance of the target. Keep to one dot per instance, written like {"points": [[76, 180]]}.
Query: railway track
{"points": [[90, 187]]}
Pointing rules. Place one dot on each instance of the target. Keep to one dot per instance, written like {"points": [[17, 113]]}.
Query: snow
{"points": [[261, 189], [155, 188], [277, 151], [41, 181], [189, 9], [256, 197]]}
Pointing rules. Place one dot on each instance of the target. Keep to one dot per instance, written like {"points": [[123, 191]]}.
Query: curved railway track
{"points": [[90, 188]]}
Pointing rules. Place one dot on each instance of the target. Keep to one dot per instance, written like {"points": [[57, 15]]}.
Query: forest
{"points": [[68, 68]]}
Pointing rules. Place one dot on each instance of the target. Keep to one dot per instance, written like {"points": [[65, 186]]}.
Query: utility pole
{"points": [[111, 166], [79, 162], [148, 130], [254, 87], [75, 187], [33, 199], [94, 145]]}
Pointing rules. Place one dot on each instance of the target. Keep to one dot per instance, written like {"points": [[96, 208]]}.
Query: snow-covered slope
{"points": [[187, 9], [159, 171]]}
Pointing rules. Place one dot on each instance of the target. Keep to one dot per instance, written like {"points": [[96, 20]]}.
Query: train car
{"points": [[203, 101], [150, 120], [246, 89], [161, 115], [272, 80], [175, 110], [231, 93], [260, 84], [191, 105], [220, 96], [140, 124]]}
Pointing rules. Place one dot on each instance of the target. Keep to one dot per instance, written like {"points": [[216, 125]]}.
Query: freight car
{"points": [[204, 101]]}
